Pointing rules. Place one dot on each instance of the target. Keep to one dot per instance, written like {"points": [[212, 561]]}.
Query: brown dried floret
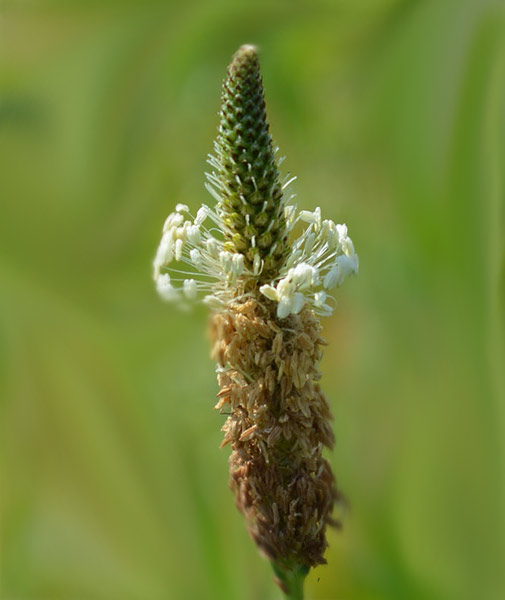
{"points": [[278, 427]]}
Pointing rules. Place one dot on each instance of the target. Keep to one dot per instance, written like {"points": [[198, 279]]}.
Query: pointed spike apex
{"points": [[249, 50], [246, 172]]}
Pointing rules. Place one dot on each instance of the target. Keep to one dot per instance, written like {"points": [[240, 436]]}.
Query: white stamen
{"points": [[173, 220], [179, 244], [165, 289], [196, 257], [238, 264], [298, 302], [257, 264], [226, 259], [285, 307], [288, 182], [307, 216], [213, 301], [212, 247], [333, 278], [194, 235], [270, 292], [201, 215], [321, 258], [319, 299], [189, 287]]}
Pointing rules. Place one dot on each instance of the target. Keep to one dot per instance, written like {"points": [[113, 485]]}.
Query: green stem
{"points": [[291, 579]]}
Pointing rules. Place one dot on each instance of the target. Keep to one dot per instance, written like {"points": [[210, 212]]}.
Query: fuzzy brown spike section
{"points": [[278, 426]]}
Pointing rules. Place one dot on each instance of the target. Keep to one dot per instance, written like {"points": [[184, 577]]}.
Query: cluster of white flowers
{"points": [[322, 257], [211, 268]]}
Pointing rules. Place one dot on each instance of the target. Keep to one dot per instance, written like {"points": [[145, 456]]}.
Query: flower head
{"points": [[245, 243], [267, 269], [321, 258]]}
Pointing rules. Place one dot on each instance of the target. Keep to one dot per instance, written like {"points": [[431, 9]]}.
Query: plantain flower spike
{"points": [[267, 288]]}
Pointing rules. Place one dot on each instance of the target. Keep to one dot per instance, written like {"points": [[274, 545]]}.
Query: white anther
{"points": [[298, 302], [165, 289], [270, 292], [213, 247], [342, 232], [319, 299], [348, 247], [333, 278], [257, 264], [305, 276], [286, 286], [307, 216], [179, 245], [196, 257], [194, 235], [348, 264], [173, 220], [226, 260], [201, 215], [332, 237], [238, 264], [189, 287], [285, 306], [181, 233]]}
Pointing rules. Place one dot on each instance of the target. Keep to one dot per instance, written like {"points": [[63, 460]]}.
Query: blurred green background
{"points": [[392, 114]]}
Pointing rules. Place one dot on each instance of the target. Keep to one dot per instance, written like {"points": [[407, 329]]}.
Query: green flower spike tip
{"points": [[245, 181]]}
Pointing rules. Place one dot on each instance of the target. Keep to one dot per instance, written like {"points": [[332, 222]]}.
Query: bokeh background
{"points": [[392, 114]]}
